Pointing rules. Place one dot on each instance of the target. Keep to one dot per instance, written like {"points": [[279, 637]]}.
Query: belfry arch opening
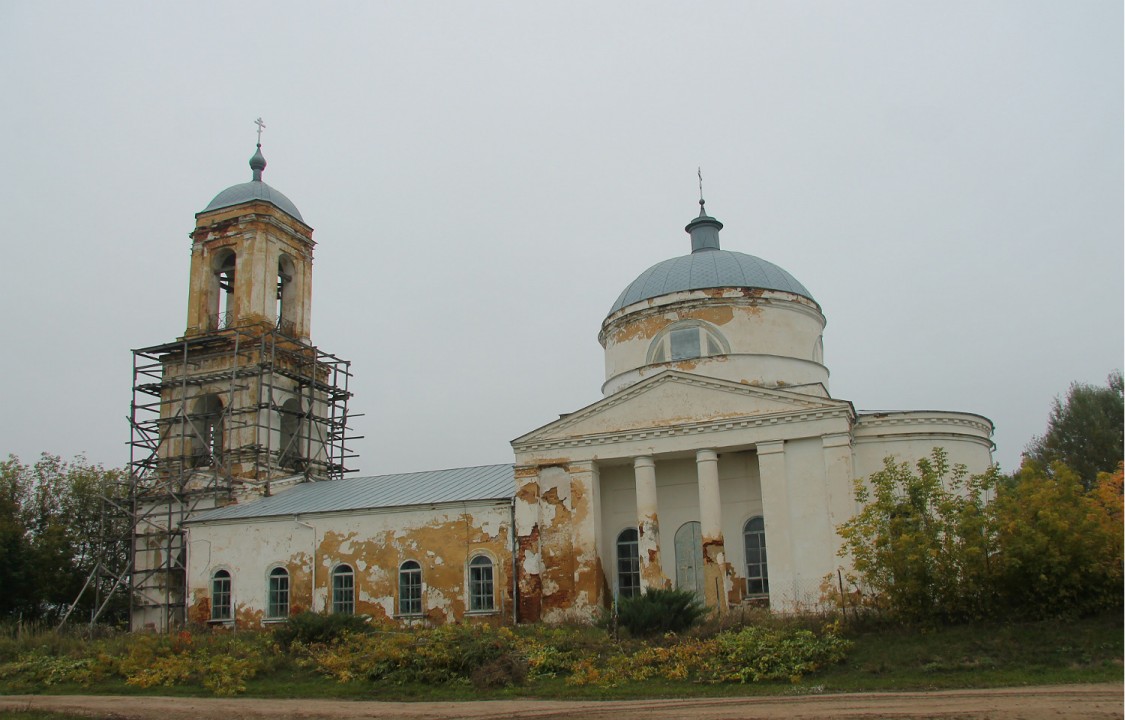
{"points": [[207, 431], [286, 308], [222, 299], [291, 453]]}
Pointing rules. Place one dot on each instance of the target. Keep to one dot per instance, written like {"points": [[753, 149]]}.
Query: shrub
{"points": [[754, 654], [309, 628], [1060, 547], [924, 542], [658, 611], [440, 655]]}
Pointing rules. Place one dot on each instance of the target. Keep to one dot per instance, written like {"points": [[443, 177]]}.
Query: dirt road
{"points": [[1090, 702]]}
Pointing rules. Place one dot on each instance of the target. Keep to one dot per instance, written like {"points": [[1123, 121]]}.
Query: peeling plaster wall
{"points": [[557, 518], [374, 543], [774, 337]]}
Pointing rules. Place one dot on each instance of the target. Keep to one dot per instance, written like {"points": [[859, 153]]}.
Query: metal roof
{"points": [[485, 482], [708, 269], [251, 191]]}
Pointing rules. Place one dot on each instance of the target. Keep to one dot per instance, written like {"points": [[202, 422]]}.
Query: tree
{"points": [[1059, 547], [923, 542], [53, 533], [1084, 431], [16, 593], [937, 545]]}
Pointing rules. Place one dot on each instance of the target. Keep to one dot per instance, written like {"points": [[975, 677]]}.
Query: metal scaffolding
{"points": [[214, 418]]}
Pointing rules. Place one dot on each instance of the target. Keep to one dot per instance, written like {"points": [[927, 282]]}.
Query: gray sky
{"points": [[485, 178]]}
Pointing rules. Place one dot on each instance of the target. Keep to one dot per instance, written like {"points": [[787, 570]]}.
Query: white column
{"points": [[715, 571], [710, 504], [648, 523]]}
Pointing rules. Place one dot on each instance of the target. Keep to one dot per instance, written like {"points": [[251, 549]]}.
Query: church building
{"points": [[717, 461]]}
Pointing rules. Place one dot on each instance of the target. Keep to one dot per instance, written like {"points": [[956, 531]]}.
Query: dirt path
{"points": [[1090, 702]]}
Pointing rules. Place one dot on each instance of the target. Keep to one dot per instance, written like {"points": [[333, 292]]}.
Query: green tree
{"points": [[923, 543], [17, 596], [54, 533], [940, 545], [1059, 547], [1084, 431]]}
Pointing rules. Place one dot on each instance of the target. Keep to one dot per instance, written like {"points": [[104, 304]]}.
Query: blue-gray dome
{"points": [[709, 269], [707, 266], [253, 190]]}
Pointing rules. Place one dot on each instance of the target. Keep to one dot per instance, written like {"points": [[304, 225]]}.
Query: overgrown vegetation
{"points": [[658, 610], [939, 545], [309, 628], [764, 655]]}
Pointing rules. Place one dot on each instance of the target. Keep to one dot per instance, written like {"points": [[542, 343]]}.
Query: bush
{"points": [[309, 628], [754, 654], [933, 546], [659, 611], [1060, 547], [449, 653]]}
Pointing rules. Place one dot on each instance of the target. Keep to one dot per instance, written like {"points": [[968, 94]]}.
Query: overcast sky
{"points": [[485, 178]]}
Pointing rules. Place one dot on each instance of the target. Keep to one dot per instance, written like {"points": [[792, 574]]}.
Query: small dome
{"points": [[253, 190], [709, 269]]}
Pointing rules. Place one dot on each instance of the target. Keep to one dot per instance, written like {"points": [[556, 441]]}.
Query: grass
{"points": [[882, 658]]}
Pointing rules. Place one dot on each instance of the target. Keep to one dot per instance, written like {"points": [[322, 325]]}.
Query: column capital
{"points": [[643, 461], [771, 447], [706, 455], [836, 440]]}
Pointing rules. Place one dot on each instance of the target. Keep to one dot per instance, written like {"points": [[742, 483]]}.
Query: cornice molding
{"points": [[686, 429], [891, 421]]}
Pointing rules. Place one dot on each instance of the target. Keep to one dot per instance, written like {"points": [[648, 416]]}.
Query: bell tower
{"points": [[251, 261], [242, 404]]}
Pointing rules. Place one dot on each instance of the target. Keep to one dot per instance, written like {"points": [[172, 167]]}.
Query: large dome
{"points": [[254, 191], [707, 266], [708, 269]]}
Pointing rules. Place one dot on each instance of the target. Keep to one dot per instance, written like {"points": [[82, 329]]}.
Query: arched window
{"points": [[207, 431], [343, 590], [481, 587], [410, 588], [757, 573], [222, 285], [685, 340], [291, 450], [278, 606], [220, 595], [286, 296], [628, 564]]}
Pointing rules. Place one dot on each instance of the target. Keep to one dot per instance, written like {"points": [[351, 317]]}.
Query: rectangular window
{"points": [[685, 343]]}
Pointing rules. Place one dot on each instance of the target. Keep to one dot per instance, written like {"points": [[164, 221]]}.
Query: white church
{"points": [[717, 461]]}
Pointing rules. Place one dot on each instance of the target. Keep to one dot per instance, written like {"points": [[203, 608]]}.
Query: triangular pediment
{"points": [[677, 398]]}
